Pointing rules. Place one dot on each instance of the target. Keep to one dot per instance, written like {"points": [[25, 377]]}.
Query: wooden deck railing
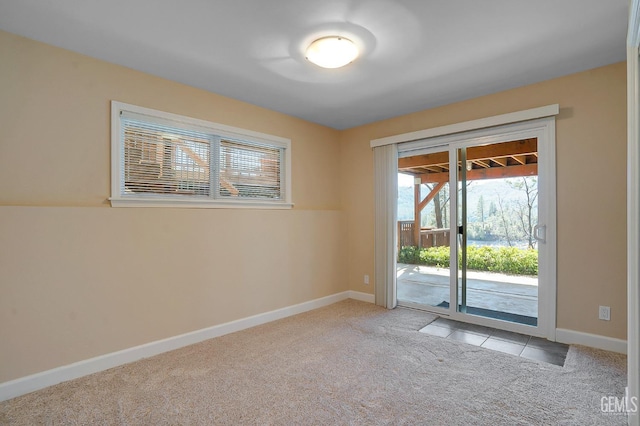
{"points": [[429, 237]]}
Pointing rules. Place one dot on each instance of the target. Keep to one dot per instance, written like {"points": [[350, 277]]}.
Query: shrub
{"points": [[508, 260], [481, 258], [517, 261], [409, 254], [436, 256]]}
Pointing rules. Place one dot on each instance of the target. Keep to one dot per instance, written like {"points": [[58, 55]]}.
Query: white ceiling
{"points": [[417, 54]]}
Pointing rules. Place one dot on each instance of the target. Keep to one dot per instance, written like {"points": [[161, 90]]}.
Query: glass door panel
{"points": [[497, 206], [424, 230]]}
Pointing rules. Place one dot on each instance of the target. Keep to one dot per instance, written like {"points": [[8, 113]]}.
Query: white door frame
{"points": [[544, 130], [633, 206]]}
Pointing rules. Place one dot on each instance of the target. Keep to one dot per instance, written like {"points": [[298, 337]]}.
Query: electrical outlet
{"points": [[604, 313], [366, 279]]}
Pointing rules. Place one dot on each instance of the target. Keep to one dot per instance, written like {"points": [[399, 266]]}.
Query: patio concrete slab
{"points": [[499, 292]]}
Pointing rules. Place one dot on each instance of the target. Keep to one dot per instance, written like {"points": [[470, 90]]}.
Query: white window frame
{"points": [[219, 130]]}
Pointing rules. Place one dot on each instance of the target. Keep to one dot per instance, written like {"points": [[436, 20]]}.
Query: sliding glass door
{"points": [[472, 229]]}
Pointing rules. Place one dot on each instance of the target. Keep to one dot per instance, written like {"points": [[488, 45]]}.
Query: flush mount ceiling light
{"points": [[332, 52]]}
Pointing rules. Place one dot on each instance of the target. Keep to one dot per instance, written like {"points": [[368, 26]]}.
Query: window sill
{"points": [[198, 204]]}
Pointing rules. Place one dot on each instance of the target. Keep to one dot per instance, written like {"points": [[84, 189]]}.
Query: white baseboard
{"points": [[592, 340], [57, 375], [363, 297]]}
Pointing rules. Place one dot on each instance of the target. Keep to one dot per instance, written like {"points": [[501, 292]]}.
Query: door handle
{"points": [[540, 233]]}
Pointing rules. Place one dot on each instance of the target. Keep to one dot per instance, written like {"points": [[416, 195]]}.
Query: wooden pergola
{"points": [[495, 161]]}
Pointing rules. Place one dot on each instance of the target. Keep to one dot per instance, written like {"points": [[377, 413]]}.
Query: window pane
{"points": [[249, 170], [163, 160]]}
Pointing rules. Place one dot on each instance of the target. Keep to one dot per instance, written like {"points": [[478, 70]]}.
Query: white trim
{"points": [[571, 337], [496, 120], [363, 297], [633, 205], [196, 204], [57, 375], [119, 109], [547, 251]]}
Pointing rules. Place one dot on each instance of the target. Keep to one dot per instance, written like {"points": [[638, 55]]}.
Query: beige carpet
{"points": [[349, 363]]}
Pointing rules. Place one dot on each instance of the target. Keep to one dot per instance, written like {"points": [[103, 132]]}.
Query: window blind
{"points": [[165, 159], [249, 170]]}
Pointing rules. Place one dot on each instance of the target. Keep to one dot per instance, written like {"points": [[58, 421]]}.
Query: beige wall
{"points": [[591, 185], [80, 279]]}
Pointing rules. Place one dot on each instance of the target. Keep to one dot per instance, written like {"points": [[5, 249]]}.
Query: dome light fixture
{"points": [[332, 52]]}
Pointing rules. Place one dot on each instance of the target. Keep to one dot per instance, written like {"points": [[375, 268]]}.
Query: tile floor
{"points": [[516, 344]]}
